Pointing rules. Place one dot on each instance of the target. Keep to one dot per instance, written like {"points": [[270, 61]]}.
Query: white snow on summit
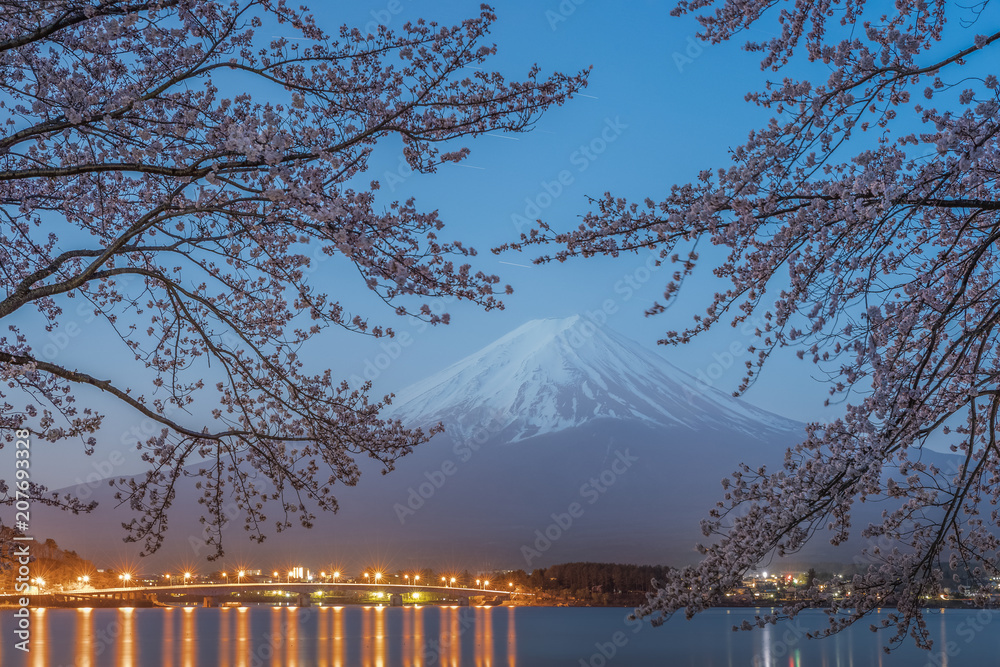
{"points": [[549, 375]]}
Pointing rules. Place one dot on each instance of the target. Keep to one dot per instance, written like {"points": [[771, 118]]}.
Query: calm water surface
{"points": [[481, 636]]}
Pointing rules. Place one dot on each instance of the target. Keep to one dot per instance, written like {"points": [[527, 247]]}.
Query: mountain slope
{"points": [[553, 374]]}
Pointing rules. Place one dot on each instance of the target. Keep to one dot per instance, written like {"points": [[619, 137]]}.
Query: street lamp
{"points": [[378, 576], [239, 577], [486, 585], [288, 579], [187, 575], [416, 578], [336, 575], [453, 581]]}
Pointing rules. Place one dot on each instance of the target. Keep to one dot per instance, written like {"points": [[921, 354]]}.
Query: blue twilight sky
{"points": [[659, 108]]}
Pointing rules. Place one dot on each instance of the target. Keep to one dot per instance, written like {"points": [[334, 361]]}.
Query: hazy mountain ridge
{"points": [[558, 418]]}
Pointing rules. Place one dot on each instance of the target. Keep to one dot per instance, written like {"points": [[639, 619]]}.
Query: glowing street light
{"points": [[336, 575], [416, 578], [378, 576], [239, 577], [187, 577], [486, 585]]}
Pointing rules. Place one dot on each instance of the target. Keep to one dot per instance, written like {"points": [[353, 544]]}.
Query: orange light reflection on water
{"points": [[376, 645], [127, 641], [381, 641], [413, 637], [189, 638], [270, 648], [511, 638], [84, 648], [450, 636], [243, 643], [39, 639], [484, 637]]}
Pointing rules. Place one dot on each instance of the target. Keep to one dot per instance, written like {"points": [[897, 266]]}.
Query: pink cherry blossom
{"points": [[861, 224], [167, 164]]}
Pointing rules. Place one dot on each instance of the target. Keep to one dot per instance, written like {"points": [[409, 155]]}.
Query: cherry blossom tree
{"points": [[862, 224], [176, 169]]}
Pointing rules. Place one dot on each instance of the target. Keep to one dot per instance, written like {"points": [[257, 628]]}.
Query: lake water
{"points": [[356, 636]]}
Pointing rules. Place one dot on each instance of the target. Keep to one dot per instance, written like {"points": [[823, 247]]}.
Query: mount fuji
{"points": [[564, 441], [550, 375]]}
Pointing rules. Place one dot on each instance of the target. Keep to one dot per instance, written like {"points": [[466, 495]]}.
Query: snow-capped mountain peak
{"points": [[552, 374]]}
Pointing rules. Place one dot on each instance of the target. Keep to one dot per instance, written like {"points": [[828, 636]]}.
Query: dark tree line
{"points": [[612, 578]]}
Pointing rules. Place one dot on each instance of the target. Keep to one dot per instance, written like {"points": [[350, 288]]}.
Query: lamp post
{"points": [[453, 581], [486, 584], [240, 575], [187, 577]]}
